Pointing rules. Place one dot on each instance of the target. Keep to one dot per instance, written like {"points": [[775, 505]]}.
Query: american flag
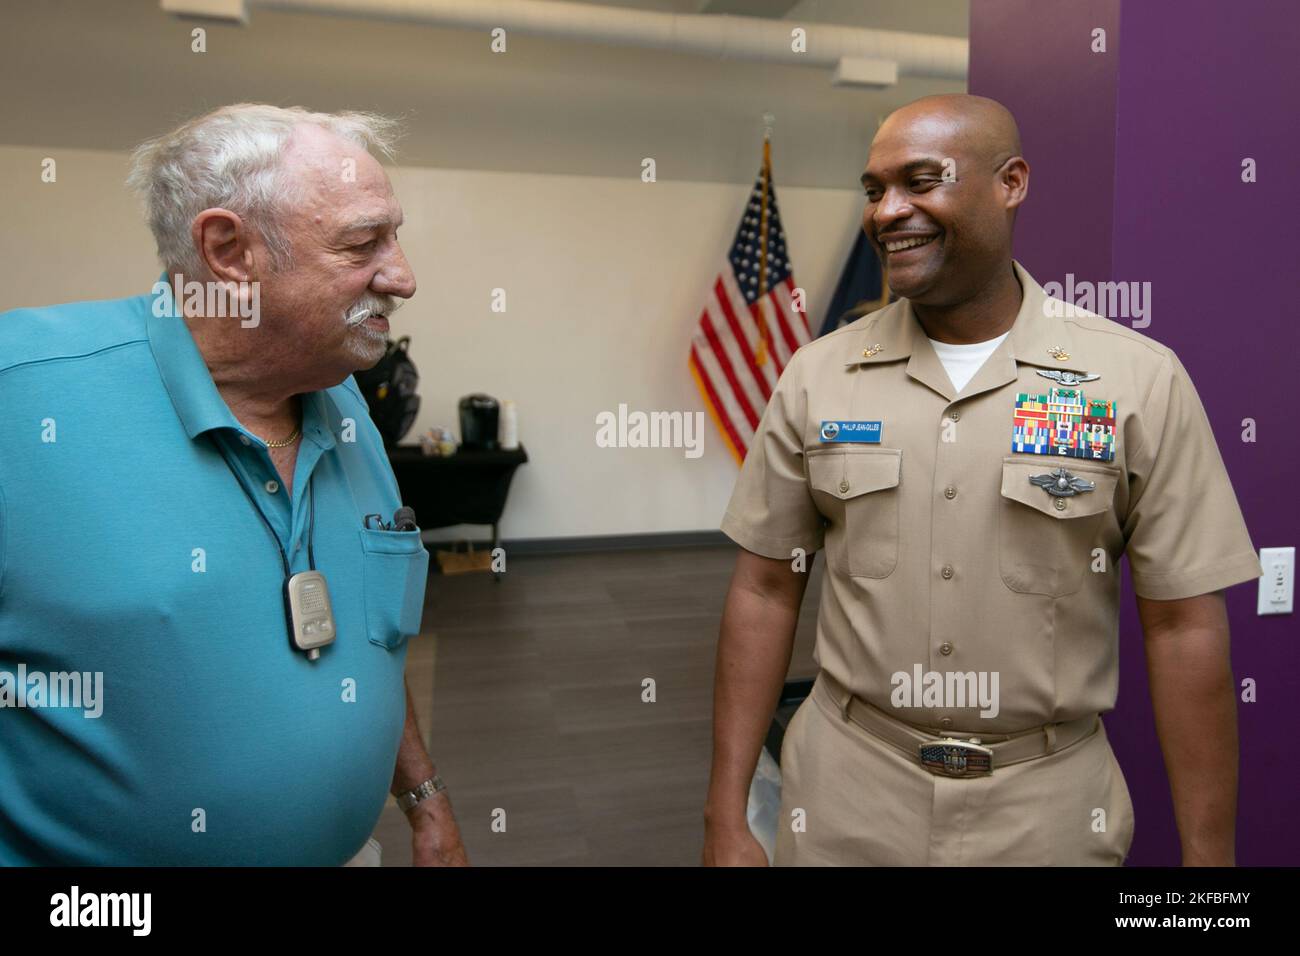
{"points": [[749, 327]]}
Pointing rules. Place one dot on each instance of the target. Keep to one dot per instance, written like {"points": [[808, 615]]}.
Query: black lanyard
{"points": [[311, 525]]}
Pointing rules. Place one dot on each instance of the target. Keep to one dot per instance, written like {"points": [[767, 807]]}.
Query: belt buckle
{"points": [[957, 758]]}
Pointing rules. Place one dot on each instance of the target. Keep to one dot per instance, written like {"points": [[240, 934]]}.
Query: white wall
{"points": [[604, 280]]}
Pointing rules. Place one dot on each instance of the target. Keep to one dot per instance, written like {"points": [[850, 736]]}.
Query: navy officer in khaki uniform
{"points": [[974, 463]]}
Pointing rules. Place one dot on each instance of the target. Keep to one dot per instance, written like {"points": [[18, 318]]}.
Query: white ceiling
{"points": [[106, 74], [946, 17]]}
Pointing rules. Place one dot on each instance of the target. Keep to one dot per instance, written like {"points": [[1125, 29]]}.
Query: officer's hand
{"points": [[732, 846]]}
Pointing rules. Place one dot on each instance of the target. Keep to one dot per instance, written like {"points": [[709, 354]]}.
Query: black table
{"points": [[469, 487]]}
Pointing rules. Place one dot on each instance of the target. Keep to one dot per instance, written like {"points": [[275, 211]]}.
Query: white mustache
{"points": [[368, 307]]}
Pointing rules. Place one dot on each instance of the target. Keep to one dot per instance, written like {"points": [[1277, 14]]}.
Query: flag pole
{"points": [[764, 332]]}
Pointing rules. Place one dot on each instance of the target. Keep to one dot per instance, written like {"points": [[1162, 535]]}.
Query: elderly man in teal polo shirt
{"points": [[206, 666]]}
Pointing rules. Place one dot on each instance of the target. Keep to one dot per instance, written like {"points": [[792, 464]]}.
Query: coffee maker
{"points": [[479, 420]]}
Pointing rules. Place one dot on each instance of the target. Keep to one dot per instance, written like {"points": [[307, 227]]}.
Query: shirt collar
{"points": [[185, 375], [1039, 336], [894, 332]]}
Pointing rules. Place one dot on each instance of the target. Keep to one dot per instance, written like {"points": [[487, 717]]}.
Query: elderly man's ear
{"points": [[222, 240]]}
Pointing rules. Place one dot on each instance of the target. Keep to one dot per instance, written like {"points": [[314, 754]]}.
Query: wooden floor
{"points": [[530, 693]]}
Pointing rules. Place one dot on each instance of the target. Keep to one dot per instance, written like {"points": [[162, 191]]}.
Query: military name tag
{"points": [[850, 432]]}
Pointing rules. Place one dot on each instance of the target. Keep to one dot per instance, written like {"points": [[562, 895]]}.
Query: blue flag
{"points": [[861, 284]]}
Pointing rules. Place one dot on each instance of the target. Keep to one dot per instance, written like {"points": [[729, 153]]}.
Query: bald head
{"points": [[983, 128], [943, 183]]}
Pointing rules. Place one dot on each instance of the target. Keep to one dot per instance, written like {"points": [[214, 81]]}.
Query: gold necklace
{"points": [[286, 442]]}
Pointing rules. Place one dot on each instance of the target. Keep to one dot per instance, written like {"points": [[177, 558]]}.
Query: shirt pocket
{"points": [[396, 568], [856, 490], [1045, 542]]}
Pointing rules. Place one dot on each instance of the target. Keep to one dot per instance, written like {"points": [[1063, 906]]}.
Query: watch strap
{"points": [[424, 791]]}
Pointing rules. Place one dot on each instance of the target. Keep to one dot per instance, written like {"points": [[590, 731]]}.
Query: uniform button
{"points": [[954, 416], [950, 492], [244, 440], [947, 571], [1060, 504], [844, 487], [945, 722], [272, 486], [945, 648]]}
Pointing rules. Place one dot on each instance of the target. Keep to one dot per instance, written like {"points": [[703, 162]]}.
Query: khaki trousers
{"points": [[865, 804], [370, 854]]}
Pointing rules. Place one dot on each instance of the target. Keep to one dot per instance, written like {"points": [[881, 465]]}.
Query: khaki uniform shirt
{"points": [[941, 554]]}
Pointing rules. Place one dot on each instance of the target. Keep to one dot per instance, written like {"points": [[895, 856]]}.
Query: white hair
{"points": [[231, 158]]}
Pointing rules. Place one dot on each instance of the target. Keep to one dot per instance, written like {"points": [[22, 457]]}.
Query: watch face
{"points": [[422, 792]]}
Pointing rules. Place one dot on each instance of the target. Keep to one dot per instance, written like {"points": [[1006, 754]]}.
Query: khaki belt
{"points": [[954, 755]]}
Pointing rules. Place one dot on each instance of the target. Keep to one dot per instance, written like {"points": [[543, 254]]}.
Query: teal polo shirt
{"points": [[128, 550]]}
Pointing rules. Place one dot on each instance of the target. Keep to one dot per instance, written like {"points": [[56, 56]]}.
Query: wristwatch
{"points": [[423, 792]]}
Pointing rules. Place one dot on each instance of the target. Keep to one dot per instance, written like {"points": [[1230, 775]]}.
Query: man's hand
{"points": [[732, 846], [435, 838]]}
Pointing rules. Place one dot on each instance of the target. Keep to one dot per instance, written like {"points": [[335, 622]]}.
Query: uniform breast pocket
{"points": [[1045, 541], [856, 489], [396, 570]]}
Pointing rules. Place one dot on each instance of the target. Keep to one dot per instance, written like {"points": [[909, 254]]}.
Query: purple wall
{"points": [[1136, 176], [1034, 58]]}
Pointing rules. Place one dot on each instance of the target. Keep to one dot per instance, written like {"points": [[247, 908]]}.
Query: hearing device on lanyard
{"points": [[308, 611]]}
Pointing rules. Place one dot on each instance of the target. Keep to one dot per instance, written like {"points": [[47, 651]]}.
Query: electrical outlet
{"points": [[1277, 586]]}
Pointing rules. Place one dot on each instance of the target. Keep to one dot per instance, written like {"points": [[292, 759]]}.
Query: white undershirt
{"points": [[961, 362]]}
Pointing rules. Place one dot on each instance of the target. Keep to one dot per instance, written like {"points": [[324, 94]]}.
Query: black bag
{"points": [[389, 389]]}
